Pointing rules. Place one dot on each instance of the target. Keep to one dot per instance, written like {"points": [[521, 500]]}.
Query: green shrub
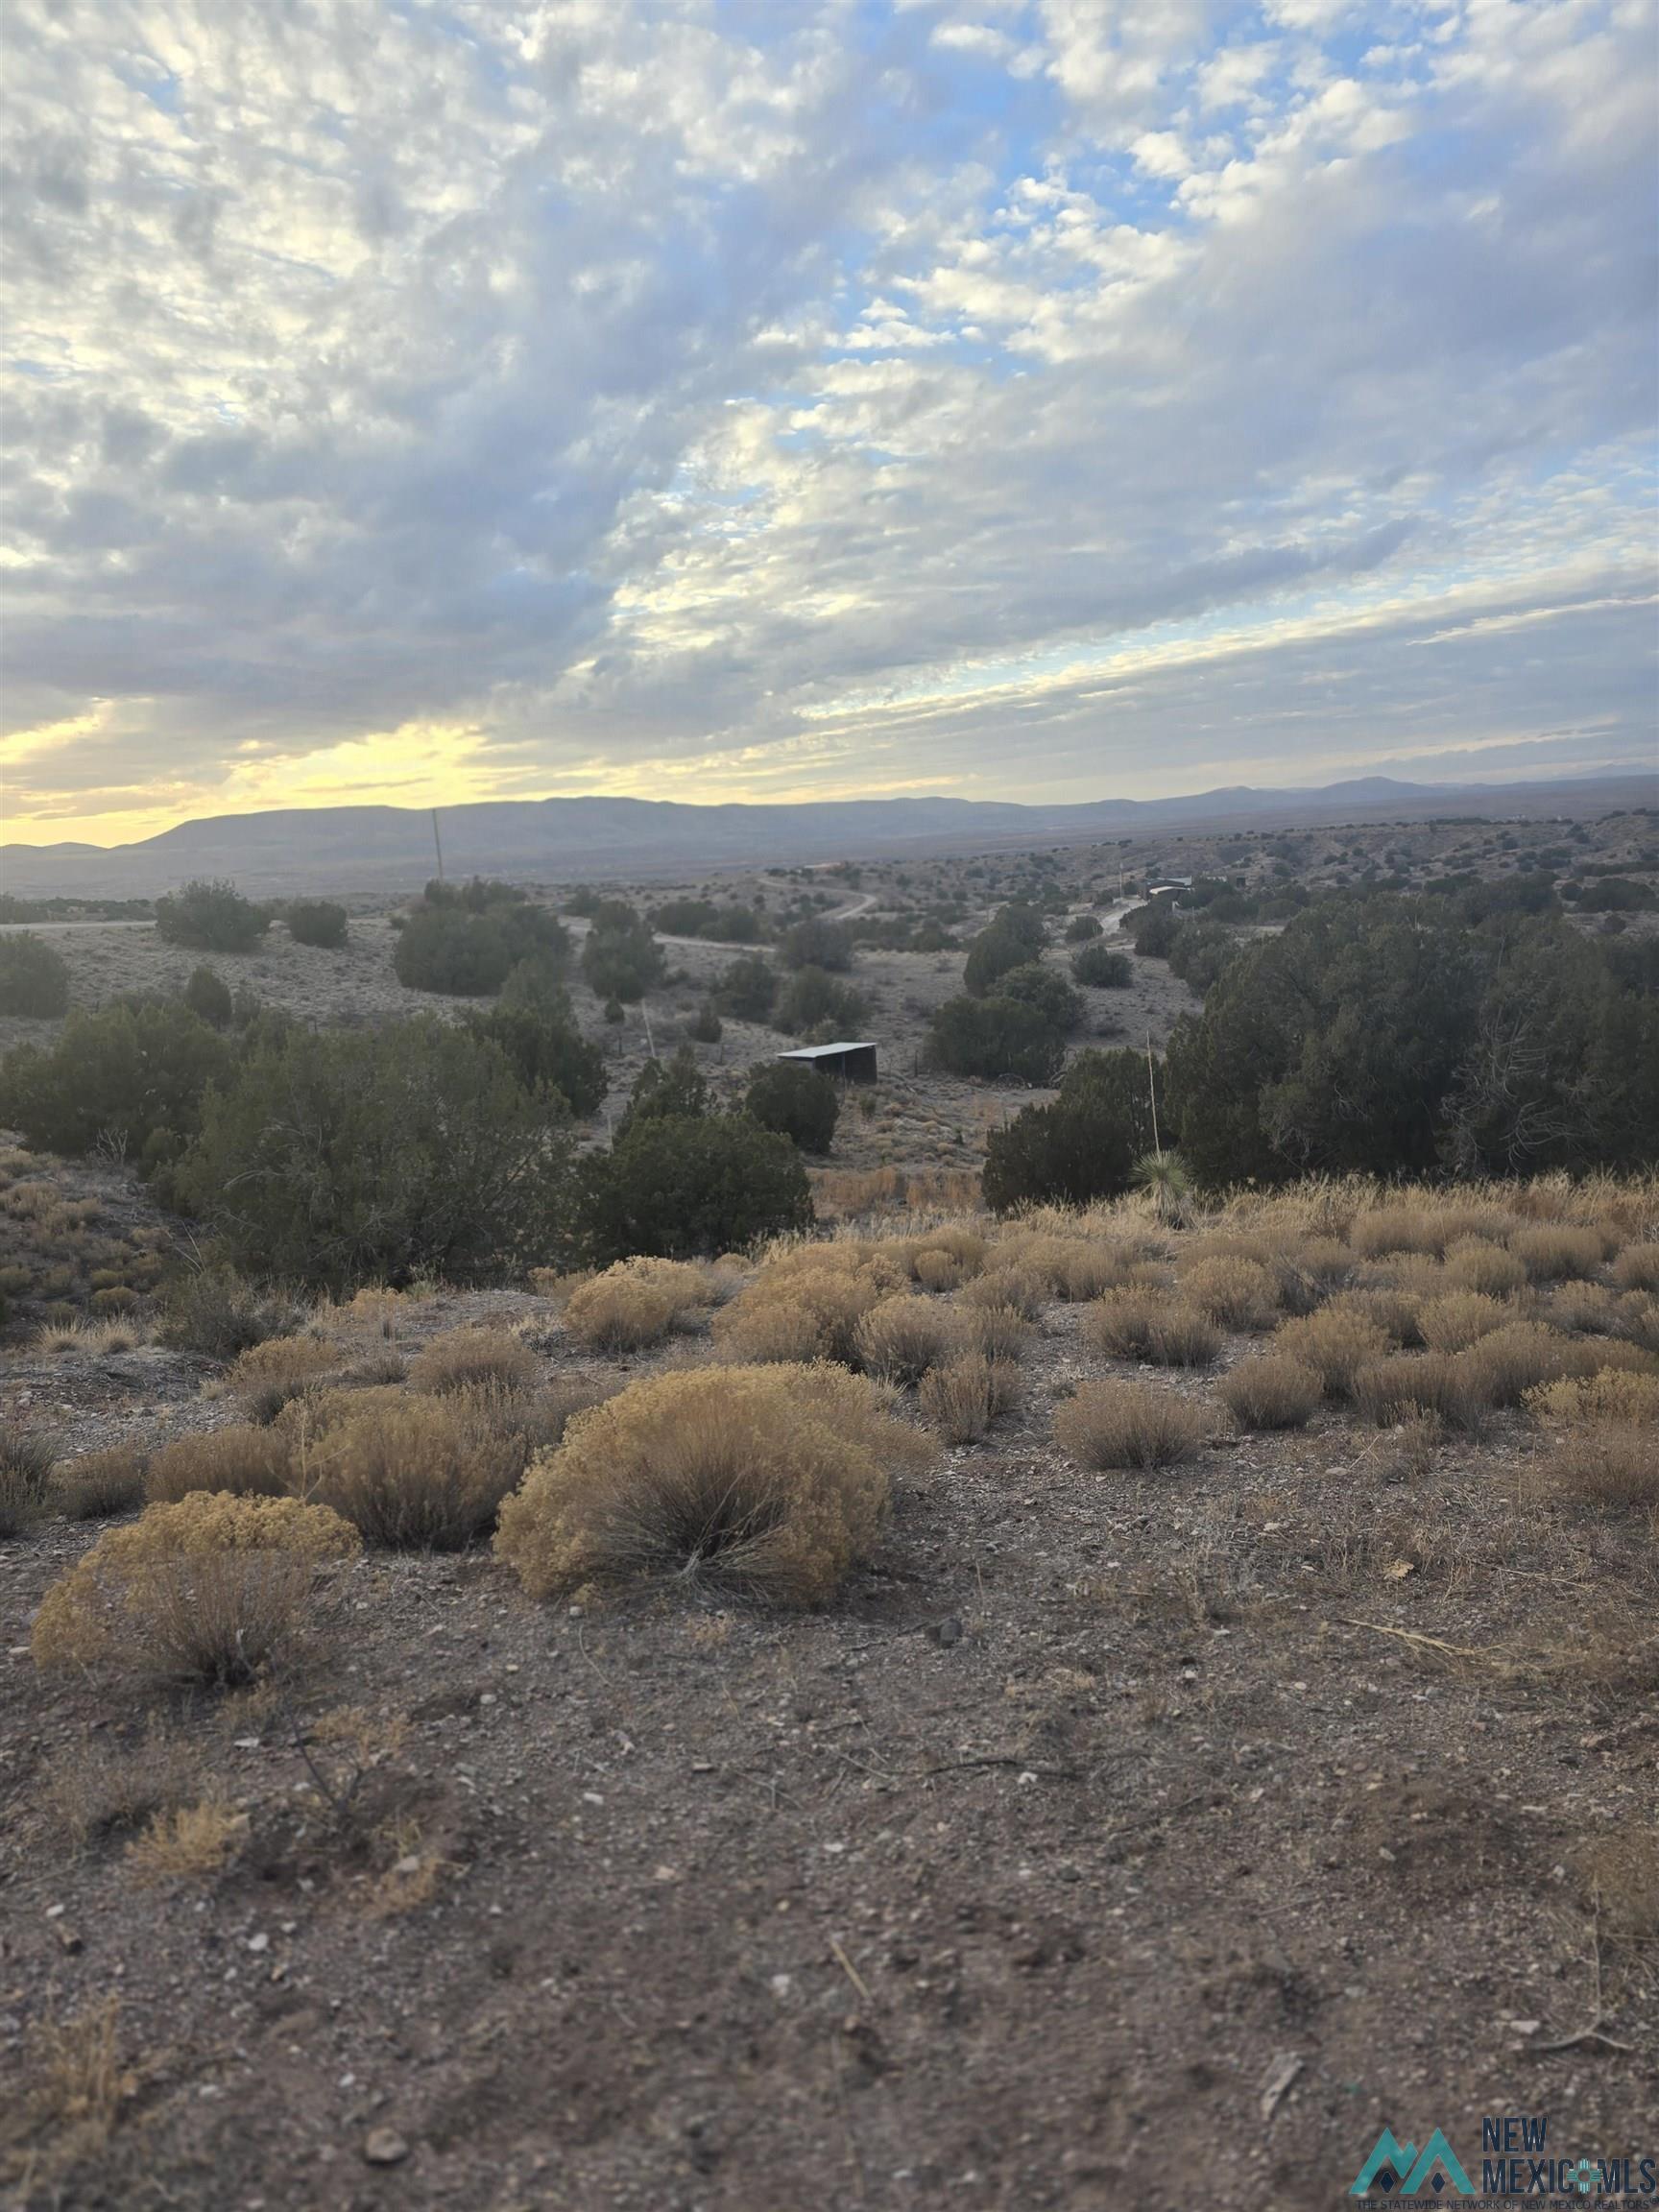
{"points": [[210, 918], [814, 1002], [338, 1157], [706, 1026], [1103, 969], [317, 922], [208, 997], [533, 1024], [1081, 1148], [462, 955], [748, 990], [218, 1313], [128, 1076], [993, 1037], [797, 1102], [1047, 991], [1012, 939], [34, 979], [1082, 929], [620, 958], [667, 1090], [817, 944], [677, 1187]]}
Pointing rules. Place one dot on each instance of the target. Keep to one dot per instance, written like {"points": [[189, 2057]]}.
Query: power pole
{"points": [[438, 844]]}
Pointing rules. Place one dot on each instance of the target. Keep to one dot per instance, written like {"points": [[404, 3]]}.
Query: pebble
{"points": [[384, 2147]]}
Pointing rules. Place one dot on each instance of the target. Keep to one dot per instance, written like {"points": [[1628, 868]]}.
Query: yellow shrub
{"points": [[246, 1461], [1474, 1263], [1336, 1344], [1555, 1251], [1637, 1267], [268, 1375], [463, 1359], [1021, 1287], [211, 1589], [1152, 1325], [188, 1844], [1451, 1323], [962, 1399], [1111, 1424], [424, 1475], [1611, 1394], [807, 1303], [770, 1481], [997, 1332], [902, 1337], [1271, 1393], [1237, 1292], [100, 1483]]}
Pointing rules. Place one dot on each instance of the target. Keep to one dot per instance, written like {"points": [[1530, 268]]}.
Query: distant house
{"points": [[853, 1062], [1168, 883]]}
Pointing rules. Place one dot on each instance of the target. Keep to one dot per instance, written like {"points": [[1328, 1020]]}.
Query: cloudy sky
{"points": [[789, 398]]}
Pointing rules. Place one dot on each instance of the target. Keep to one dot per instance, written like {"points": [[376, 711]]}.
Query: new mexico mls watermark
{"points": [[1519, 2163]]}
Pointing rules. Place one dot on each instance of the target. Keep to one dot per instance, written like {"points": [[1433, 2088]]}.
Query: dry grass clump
{"points": [[100, 1483], [1477, 1264], [805, 1304], [1397, 1312], [98, 1788], [1271, 1393], [1069, 1266], [1021, 1287], [1587, 1309], [1637, 1267], [97, 1339], [472, 1357], [1608, 1465], [1334, 1342], [213, 1589], [767, 1480], [1135, 1324], [1112, 1424], [1611, 1394], [423, 1475], [188, 1843], [268, 1375], [77, 2090], [948, 1256], [1419, 1388], [27, 1459], [964, 1397], [1237, 1292], [1452, 1323], [1509, 1361], [1555, 1251], [636, 1302], [997, 1332], [247, 1461], [902, 1337]]}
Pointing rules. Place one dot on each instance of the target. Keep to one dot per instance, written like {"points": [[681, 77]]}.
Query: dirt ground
{"points": [[1114, 1840]]}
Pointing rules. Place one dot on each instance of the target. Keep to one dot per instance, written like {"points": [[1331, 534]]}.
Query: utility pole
{"points": [[438, 844]]}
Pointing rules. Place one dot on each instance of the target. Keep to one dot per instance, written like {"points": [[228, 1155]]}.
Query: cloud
{"points": [[497, 398]]}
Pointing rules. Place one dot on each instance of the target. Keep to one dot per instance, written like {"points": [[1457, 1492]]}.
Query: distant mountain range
{"points": [[348, 849]]}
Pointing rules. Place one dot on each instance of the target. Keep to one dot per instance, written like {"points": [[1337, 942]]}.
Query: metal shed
{"points": [[854, 1062]]}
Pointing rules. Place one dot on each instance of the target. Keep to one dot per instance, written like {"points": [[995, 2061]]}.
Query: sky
{"points": [[776, 399]]}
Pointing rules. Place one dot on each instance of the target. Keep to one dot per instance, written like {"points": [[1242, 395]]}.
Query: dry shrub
{"points": [[1309, 1270], [472, 1357], [1456, 1321], [1397, 1312], [188, 1843], [1475, 1263], [902, 1337], [995, 1331], [1555, 1251], [1418, 1386], [246, 1461], [27, 1459], [1113, 1424], [1024, 1289], [1618, 1874], [807, 1304], [1586, 1309], [77, 2090], [1271, 1393], [1334, 1342], [1504, 1366], [1609, 1465], [268, 1375], [1135, 1324], [101, 1789], [937, 1270], [100, 1483], [636, 1302], [1611, 1394], [1396, 1229], [1070, 1268], [1637, 1267], [769, 1480], [1237, 1293], [962, 1399], [213, 1589], [424, 1475]]}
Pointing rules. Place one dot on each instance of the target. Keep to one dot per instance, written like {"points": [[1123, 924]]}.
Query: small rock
{"points": [[384, 2147], [948, 1632]]}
